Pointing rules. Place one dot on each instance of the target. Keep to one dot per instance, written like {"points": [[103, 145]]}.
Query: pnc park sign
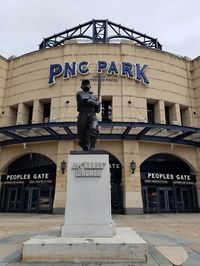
{"points": [[72, 69]]}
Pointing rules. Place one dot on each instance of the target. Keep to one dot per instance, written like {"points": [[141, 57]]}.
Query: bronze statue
{"points": [[87, 124]]}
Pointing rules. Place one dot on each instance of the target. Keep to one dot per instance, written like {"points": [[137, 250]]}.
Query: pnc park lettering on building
{"points": [[125, 69]]}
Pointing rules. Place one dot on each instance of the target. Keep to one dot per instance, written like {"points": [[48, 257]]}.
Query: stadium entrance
{"points": [[29, 185], [167, 185]]}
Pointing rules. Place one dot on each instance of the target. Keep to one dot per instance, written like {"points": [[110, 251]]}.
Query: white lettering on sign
{"points": [[173, 177], [16, 177], [115, 166], [88, 169], [41, 176]]}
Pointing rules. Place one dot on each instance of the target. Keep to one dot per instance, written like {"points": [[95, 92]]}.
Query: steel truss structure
{"points": [[100, 31], [55, 131]]}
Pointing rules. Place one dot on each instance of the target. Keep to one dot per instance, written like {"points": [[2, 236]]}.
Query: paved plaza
{"points": [[173, 239]]}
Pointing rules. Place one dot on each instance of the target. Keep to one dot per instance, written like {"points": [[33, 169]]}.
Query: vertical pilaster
{"points": [[160, 112], [38, 112], [55, 110], [22, 114], [187, 117], [64, 148], [134, 109], [117, 108], [175, 114], [132, 181], [10, 116]]}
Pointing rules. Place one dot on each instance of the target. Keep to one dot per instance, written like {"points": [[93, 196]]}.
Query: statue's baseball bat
{"points": [[99, 87]]}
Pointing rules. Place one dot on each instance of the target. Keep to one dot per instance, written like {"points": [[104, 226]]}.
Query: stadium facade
{"points": [[149, 120]]}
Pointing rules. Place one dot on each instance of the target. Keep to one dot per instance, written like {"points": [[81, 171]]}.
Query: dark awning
{"points": [[108, 130]]}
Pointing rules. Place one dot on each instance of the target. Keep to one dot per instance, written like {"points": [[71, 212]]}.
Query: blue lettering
{"points": [[55, 71], [70, 70], [83, 67], [127, 70], [140, 73], [101, 65], [113, 69]]}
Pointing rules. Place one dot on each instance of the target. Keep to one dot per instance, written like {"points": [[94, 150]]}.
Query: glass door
{"points": [[186, 200], [13, 202], [170, 200], [179, 200], [166, 200], [46, 199], [152, 199], [31, 199], [162, 200]]}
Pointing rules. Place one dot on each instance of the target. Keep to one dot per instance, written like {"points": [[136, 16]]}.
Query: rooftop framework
{"points": [[100, 31]]}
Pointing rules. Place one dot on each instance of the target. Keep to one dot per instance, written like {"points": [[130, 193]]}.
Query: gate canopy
{"points": [[108, 130]]}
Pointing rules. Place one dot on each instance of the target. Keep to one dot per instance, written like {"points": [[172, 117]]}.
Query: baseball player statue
{"points": [[87, 124]]}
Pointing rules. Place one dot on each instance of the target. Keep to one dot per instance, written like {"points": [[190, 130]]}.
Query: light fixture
{"points": [[63, 166], [133, 166]]}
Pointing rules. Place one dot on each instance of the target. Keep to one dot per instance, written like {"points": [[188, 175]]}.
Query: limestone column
{"points": [[22, 114], [160, 112], [187, 117], [175, 114], [55, 110], [64, 148], [132, 182], [38, 112], [10, 116], [116, 108], [134, 109]]}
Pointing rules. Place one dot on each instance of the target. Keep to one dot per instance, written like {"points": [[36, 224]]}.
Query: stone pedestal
{"points": [[126, 246], [88, 235], [88, 200]]}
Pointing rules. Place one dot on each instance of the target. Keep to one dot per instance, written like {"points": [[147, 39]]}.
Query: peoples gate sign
{"points": [[125, 69]]}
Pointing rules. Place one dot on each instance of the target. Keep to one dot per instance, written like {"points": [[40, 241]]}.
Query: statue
{"points": [[87, 124]]}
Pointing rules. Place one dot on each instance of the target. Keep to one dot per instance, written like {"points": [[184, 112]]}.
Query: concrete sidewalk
{"points": [[173, 239]]}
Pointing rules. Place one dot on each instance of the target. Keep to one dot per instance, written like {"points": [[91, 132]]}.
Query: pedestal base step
{"points": [[88, 231], [125, 246]]}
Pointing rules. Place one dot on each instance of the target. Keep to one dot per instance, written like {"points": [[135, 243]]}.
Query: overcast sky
{"points": [[24, 23]]}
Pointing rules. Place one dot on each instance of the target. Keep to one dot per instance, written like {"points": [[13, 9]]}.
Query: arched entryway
{"points": [[167, 185], [28, 185]]}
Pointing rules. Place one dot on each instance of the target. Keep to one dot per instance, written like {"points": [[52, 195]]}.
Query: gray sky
{"points": [[24, 23]]}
